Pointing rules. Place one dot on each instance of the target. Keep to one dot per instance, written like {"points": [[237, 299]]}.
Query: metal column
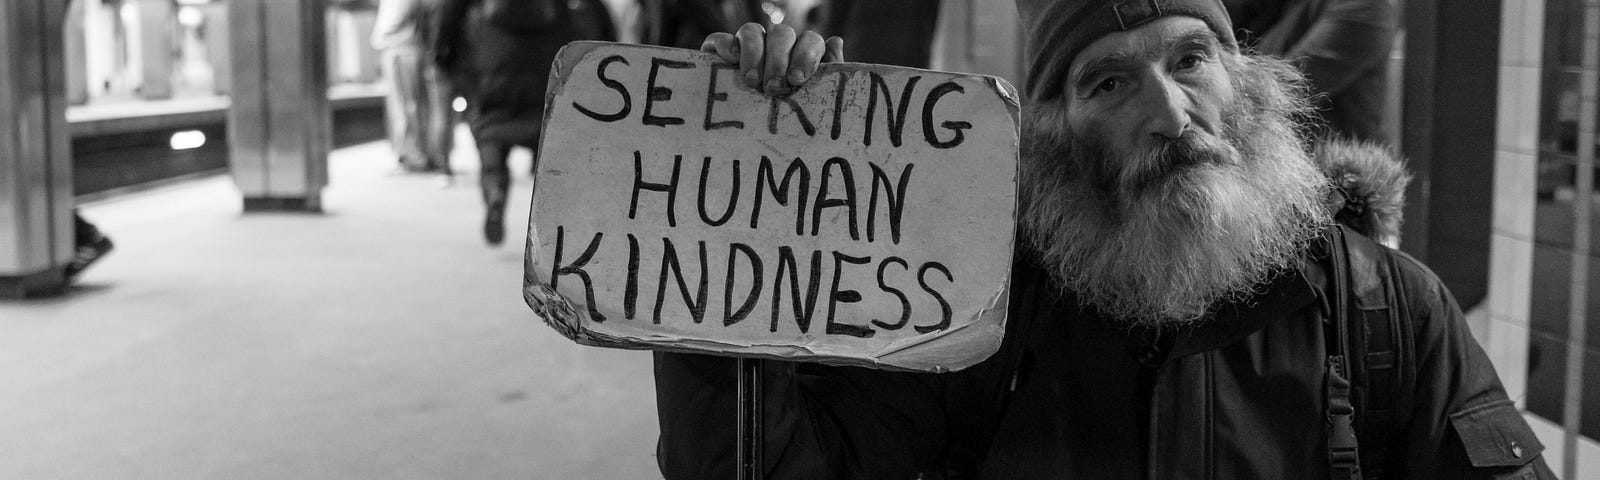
{"points": [[77, 52], [279, 124], [157, 21], [217, 47], [35, 164]]}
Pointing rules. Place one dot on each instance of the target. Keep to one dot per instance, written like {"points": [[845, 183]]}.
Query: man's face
{"points": [[1139, 91], [1171, 177]]}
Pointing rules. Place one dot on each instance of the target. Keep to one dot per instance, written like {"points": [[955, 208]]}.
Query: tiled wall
{"points": [[1522, 258], [1503, 328]]}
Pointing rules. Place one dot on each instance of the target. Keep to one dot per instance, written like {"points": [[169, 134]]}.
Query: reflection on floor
{"points": [[380, 340]]}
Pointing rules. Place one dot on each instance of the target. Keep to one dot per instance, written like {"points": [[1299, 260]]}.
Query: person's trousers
{"points": [[420, 119]]}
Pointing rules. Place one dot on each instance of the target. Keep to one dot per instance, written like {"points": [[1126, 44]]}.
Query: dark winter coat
{"points": [[1241, 396], [1342, 46], [686, 23], [497, 54], [890, 32]]}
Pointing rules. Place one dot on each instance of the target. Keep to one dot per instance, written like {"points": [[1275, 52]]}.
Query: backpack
{"points": [[1370, 369]]}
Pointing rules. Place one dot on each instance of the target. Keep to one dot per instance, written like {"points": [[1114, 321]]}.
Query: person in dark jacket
{"points": [[890, 32], [497, 54], [1177, 273], [684, 23], [1341, 45]]}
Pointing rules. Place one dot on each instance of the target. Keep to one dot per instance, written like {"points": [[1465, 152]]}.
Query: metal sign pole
{"points": [[749, 426]]}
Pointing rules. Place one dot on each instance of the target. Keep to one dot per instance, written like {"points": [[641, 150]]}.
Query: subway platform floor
{"points": [[382, 339]]}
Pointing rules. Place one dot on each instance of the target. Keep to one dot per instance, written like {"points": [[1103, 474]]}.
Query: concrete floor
{"points": [[380, 340]]}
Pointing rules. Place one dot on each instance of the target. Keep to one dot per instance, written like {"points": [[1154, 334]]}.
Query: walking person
{"points": [[497, 54], [1341, 45], [417, 106]]}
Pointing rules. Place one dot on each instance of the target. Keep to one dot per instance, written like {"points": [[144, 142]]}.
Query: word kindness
{"points": [[858, 220]]}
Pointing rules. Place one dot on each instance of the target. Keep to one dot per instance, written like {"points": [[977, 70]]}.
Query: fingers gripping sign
{"points": [[774, 61]]}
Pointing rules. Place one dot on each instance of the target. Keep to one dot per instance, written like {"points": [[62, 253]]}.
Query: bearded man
{"points": [[1176, 279]]}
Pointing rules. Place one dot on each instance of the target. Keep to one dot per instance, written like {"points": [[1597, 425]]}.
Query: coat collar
{"points": [[1279, 300]]}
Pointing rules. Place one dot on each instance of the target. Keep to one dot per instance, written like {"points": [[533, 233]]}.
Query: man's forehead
{"points": [[1150, 39]]}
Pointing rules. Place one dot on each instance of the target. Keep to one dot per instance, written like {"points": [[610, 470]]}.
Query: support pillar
{"points": [[157, 21], [279, 124], [35, 163], [217, 47], [1449, 140], [77, 51]]}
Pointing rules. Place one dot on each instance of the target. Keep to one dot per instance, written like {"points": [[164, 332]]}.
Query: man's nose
{"points": [[1166, 109]]}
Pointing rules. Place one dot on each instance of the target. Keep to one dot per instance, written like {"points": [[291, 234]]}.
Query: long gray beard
{"points": [[1162, 238]]}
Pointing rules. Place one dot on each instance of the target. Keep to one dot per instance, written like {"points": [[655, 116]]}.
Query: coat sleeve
{"points": [[1346, 38], [1463, 426], [820, 421]]}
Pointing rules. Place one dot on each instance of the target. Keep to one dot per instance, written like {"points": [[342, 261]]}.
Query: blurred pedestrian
{"points": [[685, 23], [497, 54], [1341, 45], [890, 32], [418, 104]]}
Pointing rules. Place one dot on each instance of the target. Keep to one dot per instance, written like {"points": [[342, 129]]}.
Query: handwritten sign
{"points": [[865, 219]]}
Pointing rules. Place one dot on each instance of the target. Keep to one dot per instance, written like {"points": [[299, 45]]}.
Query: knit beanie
{"points": [[1058, 29]]}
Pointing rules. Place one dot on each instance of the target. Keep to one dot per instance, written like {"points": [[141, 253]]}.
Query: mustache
{"points": [[1168, 159]]}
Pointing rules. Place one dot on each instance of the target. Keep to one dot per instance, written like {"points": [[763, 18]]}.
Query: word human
{"points": [[879, 91], [766, 184]]}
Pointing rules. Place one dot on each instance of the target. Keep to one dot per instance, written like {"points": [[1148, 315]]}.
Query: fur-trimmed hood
{"points": [[1369, 187]]}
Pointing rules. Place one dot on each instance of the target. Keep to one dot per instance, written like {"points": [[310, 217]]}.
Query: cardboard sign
{"points": [[865, 219]]}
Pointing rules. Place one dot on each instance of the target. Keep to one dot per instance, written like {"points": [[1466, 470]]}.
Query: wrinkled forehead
{"points": [[1151, 42], [1057, 31]]}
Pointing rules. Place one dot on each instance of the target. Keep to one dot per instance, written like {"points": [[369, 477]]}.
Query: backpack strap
{"points": [[1344, 461], [1379, 347], [1370, 324]]}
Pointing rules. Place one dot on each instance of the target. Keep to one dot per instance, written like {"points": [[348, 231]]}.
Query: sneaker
{"points": [[87, 254]]}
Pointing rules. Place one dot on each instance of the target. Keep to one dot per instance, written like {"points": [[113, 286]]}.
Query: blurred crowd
{"points": [[494, 56]]}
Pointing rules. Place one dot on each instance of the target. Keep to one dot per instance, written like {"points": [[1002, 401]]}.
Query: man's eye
{"points": [[1108, 85], [1190, 61]]}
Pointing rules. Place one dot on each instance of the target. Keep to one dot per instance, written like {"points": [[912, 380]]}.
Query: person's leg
{"points": [[394, 105], [438, 119], [494, 177], [409, 87]]}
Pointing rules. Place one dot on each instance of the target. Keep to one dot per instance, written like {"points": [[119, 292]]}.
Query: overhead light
{"points": [[187, 139], [191, 17], [459, 105]]}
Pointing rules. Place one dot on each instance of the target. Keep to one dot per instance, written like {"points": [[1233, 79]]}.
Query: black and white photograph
{"points": [[799, 239]]}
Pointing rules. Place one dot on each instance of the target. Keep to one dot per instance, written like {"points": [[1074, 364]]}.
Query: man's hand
{"points": [[774, 61]]}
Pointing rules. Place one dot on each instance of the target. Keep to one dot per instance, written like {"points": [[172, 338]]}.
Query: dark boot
{"points": [[494, 224], [495, 180]]}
